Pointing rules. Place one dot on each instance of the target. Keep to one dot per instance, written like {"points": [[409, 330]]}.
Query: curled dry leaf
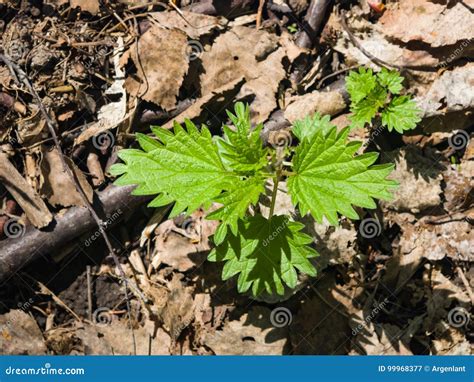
{"points": [[113, 113], [160, 60], [325, 103], [56, 184], [178, 312], [34, 207]]}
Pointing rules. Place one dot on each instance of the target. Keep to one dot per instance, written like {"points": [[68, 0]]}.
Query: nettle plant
{"points": [[376, 98], [191, 168]]}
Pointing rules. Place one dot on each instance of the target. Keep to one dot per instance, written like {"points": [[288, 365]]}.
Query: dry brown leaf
{"points": [[116, 338], [252, 334], [453, 91], [91, 6], [246, 52], [34, 207], [217, 99], [181, 244], [113, 113], [429, 22], [321, 325], [325, 103], [161, 63], [179, 309], [193, 24], [385, 339], [20, 334], [443, 293], [376, 44], [56, 184], [418, 174]]}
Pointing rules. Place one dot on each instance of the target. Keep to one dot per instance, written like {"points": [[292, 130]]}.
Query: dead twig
{"points": [[314, 18], [261, 4]]}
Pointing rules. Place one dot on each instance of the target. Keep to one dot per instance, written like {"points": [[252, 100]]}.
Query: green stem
{"points": [[276, 179]]}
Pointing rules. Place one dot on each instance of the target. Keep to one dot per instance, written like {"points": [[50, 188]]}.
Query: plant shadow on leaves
{"points": [[266, 254]]}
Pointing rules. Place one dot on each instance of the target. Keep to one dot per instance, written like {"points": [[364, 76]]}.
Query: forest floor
{"points": [[398, 281]]}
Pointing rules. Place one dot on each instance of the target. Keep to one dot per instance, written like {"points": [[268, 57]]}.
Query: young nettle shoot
{"points": [[191, 169], [377, 96]]}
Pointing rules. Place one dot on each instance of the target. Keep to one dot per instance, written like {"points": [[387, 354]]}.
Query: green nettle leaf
{"points": [[365, 110], [266, 254], [242, 150], [377, 95], [401, 114], [236, 201], [328, 179], [360, 84], [306, 127], [184, 167], [390, 80]]}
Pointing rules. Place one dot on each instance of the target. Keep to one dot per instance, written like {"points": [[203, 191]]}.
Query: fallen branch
{"points": [[313, 22], [16, 253]]}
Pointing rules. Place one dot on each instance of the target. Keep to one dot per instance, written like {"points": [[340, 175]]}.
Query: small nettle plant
{"points": [[376, 97], [191, 168]]}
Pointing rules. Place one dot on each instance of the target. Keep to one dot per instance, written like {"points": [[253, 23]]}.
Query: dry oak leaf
{"points": [[160, 58], [429, 22], [246, 52]]}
